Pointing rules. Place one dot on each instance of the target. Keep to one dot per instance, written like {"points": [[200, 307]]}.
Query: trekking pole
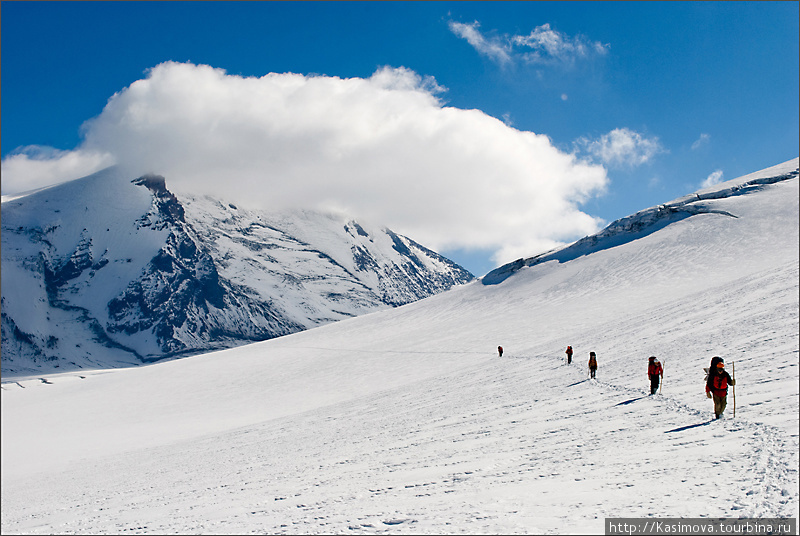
{"points": [[733, 377]]}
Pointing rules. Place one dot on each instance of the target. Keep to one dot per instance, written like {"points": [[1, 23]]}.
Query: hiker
{"points": [[656, 372], [500, 351], [569, 354], [717, 385], [592, 364]]}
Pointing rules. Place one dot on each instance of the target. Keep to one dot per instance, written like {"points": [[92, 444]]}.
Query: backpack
{"points": [[719, 382]]}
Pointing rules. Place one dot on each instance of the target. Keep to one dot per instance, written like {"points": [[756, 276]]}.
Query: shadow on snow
{"points": [[682, 428], [631, 400]]}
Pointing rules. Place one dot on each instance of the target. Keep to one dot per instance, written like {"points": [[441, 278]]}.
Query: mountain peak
{"points": [[107, 271]]}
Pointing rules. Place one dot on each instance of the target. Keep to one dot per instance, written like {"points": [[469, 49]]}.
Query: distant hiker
{"points": [[500, 351], [656, 372], [717, 385], [569, 354], [592, 364]]}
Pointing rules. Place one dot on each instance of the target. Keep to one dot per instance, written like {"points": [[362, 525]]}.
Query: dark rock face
{"points": [[179, 282], [80, 260], [166, 202]]}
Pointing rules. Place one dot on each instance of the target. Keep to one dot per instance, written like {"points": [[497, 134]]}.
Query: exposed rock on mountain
{"points": [[108, 271]]}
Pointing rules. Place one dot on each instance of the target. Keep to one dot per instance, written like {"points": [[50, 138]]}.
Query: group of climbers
{"points": [[717, 379]]}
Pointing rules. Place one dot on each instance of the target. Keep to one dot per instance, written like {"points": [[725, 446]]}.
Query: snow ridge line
{"points": [[637, 226]]}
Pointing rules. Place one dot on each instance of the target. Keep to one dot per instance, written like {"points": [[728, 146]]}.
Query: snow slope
{"points": [[407, 421]]}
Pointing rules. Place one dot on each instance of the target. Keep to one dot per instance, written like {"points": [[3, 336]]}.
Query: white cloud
{"points": [[701, 141], [711, 180], [384, 149], [34, 166], [543, 45], [621, 147], [495, 49], [548, 45]]}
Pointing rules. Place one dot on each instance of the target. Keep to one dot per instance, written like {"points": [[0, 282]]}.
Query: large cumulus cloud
{"points": [[384, 148]]}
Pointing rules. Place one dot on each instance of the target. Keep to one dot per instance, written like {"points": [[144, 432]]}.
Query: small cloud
{"points": [[621, 147], [543, 46], [701, 141], [714, 178], [564, 96], [493, 48]]}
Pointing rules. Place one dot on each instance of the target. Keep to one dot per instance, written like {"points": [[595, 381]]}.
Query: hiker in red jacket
{"points": [[717, 385], [655, 372], [592, 364], [569, 354], [500, 351]]}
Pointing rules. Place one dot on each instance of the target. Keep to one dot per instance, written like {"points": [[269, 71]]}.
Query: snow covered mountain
{"points": [[648, 221], [105, 271], [406, 420]]}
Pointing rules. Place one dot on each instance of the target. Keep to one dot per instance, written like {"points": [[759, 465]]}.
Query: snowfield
{"points": [[407, 420]]}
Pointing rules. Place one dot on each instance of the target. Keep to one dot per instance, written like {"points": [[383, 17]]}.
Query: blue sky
{"points": [[649, 99]]}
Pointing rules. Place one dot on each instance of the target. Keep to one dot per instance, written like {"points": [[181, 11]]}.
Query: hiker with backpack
{"points": [[655, 372], [569, 354], [500, 351], [717, 384], [592, 364]]}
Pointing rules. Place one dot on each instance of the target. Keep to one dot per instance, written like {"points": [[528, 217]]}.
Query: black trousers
{"points": [[655, 379]]}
